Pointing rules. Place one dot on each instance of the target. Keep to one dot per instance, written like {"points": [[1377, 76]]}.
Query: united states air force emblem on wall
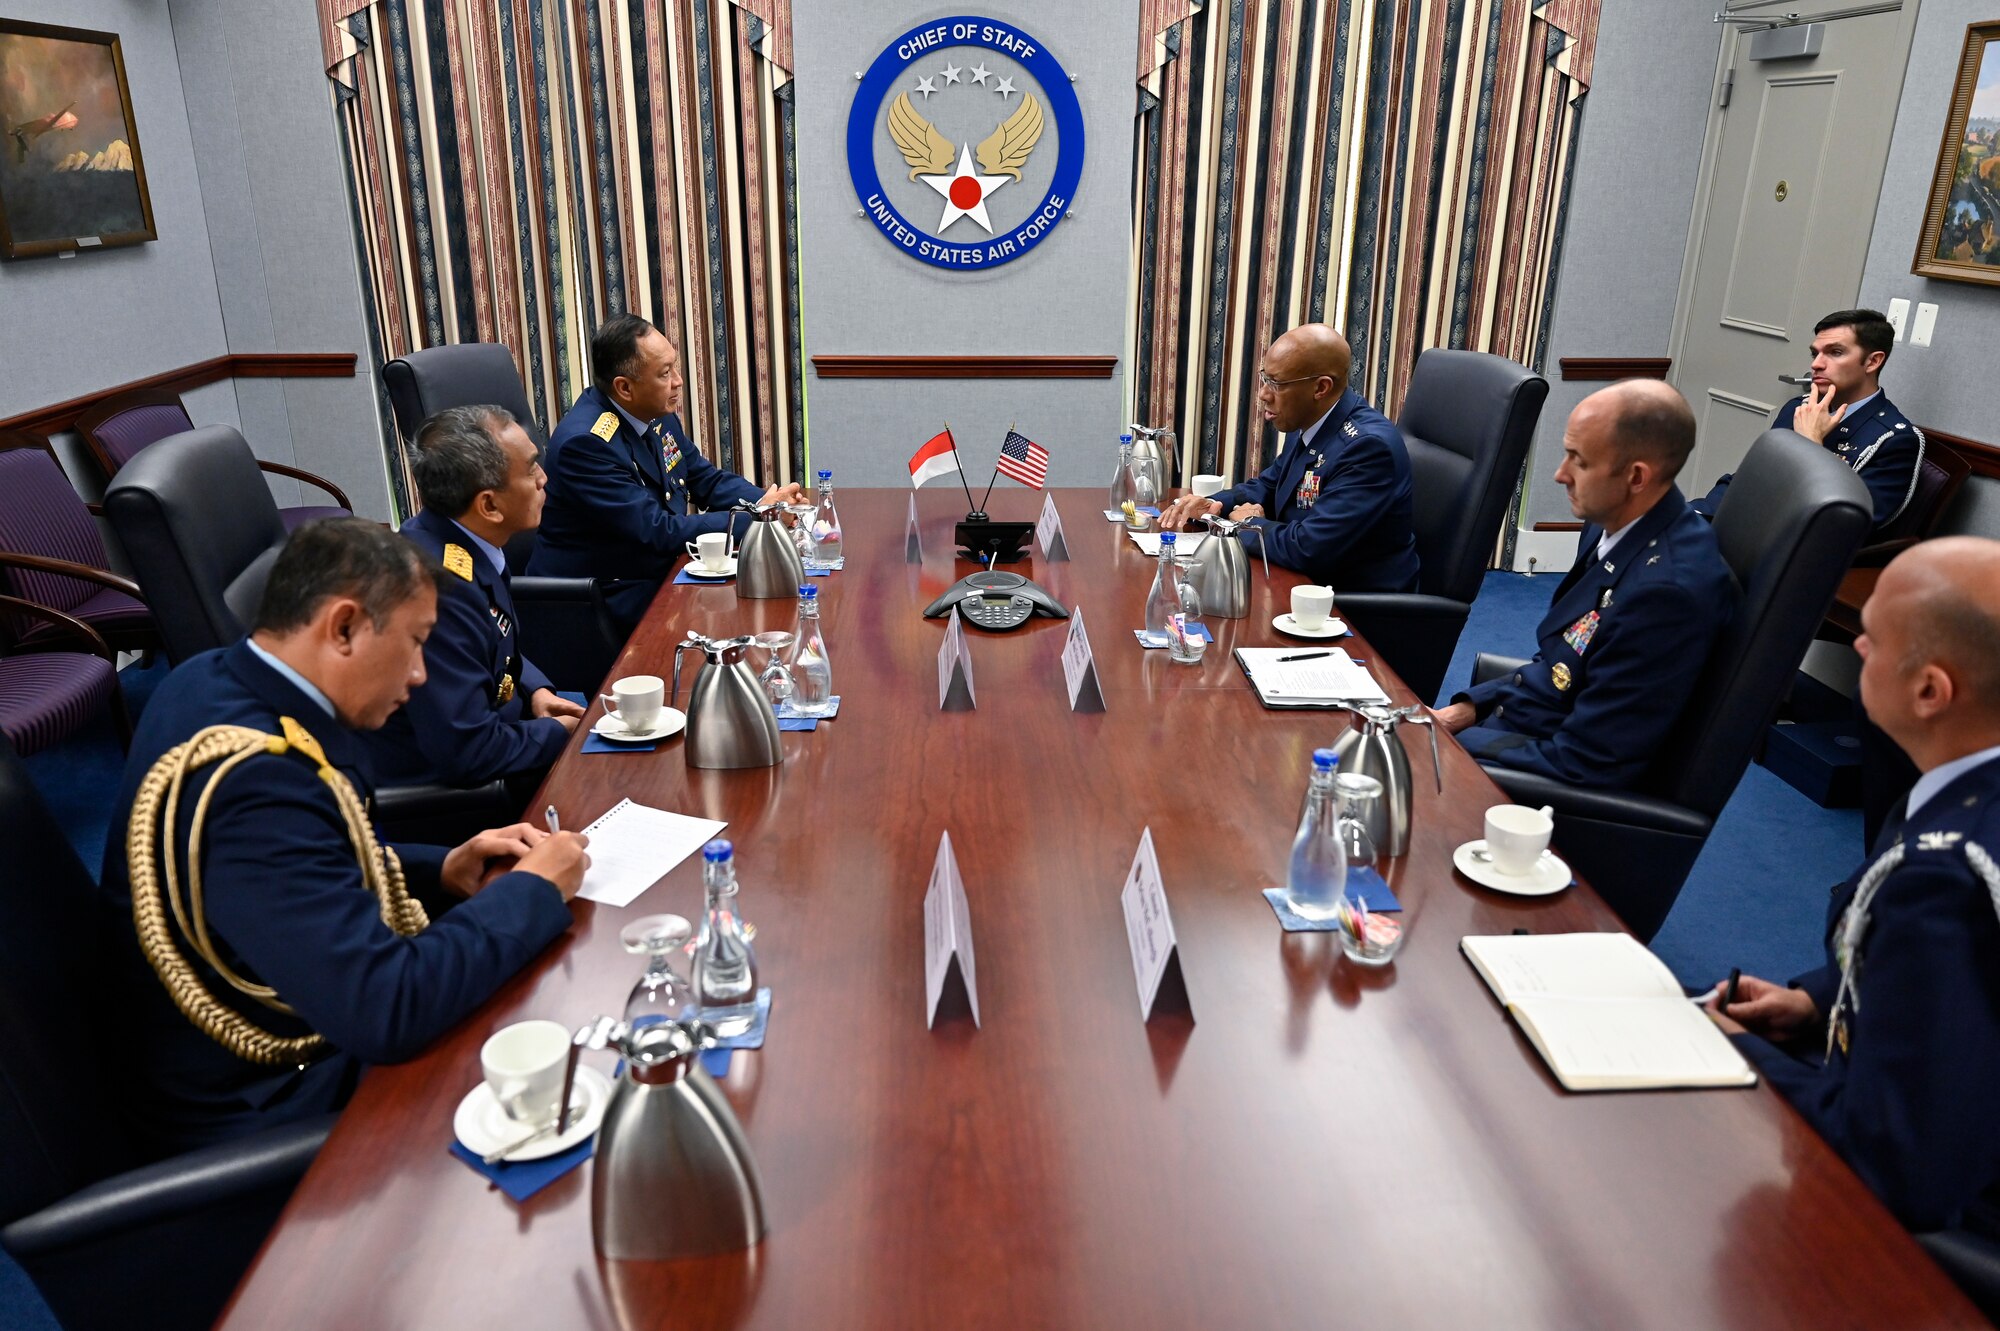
{"points": [[965, 142]]}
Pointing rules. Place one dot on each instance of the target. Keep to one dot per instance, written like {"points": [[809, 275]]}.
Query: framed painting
{"points": [[1961, 235], [70, 172]]}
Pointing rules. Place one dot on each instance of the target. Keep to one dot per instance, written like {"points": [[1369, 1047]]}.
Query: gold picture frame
{"points": [[71, 175], [1960, 241]]}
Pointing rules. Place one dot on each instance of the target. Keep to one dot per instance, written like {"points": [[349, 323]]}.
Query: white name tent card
{"points": [[1049, 531], [948, 968], [633, 846], [913, 546], [1149, 928], [955, 668], [1086, 692]]}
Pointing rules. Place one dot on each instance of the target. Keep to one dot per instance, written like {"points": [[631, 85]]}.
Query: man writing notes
{"points": [[304, 950], [485, 711], [624, 481], [1892, 1048], [1847, 411], [1635, 617], [1335, 503]]}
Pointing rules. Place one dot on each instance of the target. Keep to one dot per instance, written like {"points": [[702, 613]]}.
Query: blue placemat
{"points": [[522, 1179], [785, 712], [1360, 883], [596, 743], [1150, 643], [686, 579]]}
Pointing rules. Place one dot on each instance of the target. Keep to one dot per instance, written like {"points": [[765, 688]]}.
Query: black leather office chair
{"points": [[202, 530], [1467, 422], [566, 628], [1972, 1261], [113, 1238], [1788, 527]]}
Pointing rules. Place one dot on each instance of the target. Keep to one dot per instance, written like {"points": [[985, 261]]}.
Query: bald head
{"points": [[1304, 374], [1930, 649], [1649, 421]]}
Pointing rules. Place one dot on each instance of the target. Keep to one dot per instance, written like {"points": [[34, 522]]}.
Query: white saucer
{"points": [[1333, 628], [483, 1127], [1549, 876], [697, 569], [611, 728]]}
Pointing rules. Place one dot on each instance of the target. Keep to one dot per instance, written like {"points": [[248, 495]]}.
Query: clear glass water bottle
{"points": [[1121, 480], [811, 671], [1187, 636], [1317, 877], [825, 551], [661, 994], [725, 970], [1164, 601]]}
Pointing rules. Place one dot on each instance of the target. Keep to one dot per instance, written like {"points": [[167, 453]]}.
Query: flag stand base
{"points": [[998, 542]]}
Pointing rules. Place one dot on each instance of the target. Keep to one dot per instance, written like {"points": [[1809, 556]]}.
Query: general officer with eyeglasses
{"points": [[1335, 503]]}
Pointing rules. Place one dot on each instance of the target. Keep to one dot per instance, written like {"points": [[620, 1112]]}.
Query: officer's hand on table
{"points": [[1455, 717], [1177, 515], [1812, 418], [1244, 512], [793, 493], [477, 862], [1762, 1008], [547, 703]]}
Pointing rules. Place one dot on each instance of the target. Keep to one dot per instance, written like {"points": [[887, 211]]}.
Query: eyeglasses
{"points": [[1267, 381]]}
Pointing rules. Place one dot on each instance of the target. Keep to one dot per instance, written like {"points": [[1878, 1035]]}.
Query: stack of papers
{"points": [[1313, 677], [633, 846], [1185, 543], [1605, 1013]]}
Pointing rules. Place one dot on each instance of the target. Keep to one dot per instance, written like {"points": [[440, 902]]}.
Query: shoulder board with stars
{"points": [[458, 559], [1347, 428], [607, 425]]}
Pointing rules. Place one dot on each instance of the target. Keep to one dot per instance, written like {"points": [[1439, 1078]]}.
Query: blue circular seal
{"points": [[950, 170]]}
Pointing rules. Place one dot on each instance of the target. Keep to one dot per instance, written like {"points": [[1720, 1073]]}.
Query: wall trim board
{"points": [[1615, 367], [1983, 458], [1557, 526], [239, 365], [964, 367]]}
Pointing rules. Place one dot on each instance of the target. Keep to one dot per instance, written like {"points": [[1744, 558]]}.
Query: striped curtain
{"points": [[520, 170], [1396, 168]]}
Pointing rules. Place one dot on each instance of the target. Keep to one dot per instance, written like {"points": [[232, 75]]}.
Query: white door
{"points": [[1790, 175]]}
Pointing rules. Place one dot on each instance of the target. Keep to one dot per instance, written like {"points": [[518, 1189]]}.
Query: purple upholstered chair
{"points": [[52, 553], [120, 428], [47, 696]]}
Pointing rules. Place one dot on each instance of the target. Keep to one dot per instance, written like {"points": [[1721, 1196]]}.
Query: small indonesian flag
{"points": [[937, 458], [1024, 460]]}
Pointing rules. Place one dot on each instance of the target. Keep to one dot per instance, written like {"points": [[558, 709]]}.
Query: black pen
{"points": [[1729, 994], [1305, 656]]}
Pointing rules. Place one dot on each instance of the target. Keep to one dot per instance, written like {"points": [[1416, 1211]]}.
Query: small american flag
{"points": [[1024, 460]]}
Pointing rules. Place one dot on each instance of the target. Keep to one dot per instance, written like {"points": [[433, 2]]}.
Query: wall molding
{"points": [[1558, 526], [1983, 458], [239, 365], [964, 367], [1605, 368]]}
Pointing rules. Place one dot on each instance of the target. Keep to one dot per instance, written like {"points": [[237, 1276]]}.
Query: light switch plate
{"points": [[1920, 336], [1899, 316]]}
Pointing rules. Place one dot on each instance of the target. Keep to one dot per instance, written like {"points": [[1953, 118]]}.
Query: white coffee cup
{"points": [[524, 1066], [1516, 836], [1310, 607], [710, 549], [636, 701], [1206, 485]]}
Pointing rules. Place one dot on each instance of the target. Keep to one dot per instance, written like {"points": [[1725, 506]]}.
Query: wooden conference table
{"points": [[1321, 1146]]}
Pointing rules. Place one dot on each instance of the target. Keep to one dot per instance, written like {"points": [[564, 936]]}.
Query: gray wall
{"points": [[1949, 383], [255, 251], [1066, 296], [1630, 204]]}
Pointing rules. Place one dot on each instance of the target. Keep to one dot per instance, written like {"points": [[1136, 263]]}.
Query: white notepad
{"points": [[633, 846], [1605, 1013], [1327, 677], [1185, 543]]}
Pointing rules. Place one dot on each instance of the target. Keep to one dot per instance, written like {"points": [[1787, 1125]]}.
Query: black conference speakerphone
{"points": [[995, 600]]}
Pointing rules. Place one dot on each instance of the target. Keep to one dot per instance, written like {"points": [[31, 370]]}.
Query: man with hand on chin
{"points": [[1891, 1050], [1846, 410], [1336, 502], [284, 902]]}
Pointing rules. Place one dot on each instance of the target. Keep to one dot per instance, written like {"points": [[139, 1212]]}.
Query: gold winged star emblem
{"points": [[1001, 156]]}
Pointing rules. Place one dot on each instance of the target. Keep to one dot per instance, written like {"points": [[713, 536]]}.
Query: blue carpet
{"points": [[21, 1306]]}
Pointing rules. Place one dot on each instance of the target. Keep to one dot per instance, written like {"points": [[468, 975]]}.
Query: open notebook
{"points": [[1605, 1013], [1308, 676]]}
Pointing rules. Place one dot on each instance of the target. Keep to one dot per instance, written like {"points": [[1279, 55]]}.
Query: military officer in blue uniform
{"points": [[1631, 624], [1335, 504], [1892, 1048], [485, 712], [285, 901], [624, 482], [1847, 411]]}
